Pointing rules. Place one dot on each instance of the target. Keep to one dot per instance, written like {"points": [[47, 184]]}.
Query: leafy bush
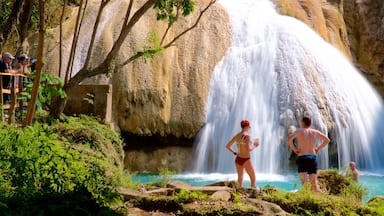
{"points": [[45, 160], [50, 87]]}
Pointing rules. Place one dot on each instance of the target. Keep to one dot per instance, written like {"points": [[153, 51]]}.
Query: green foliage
{"points": [[375, 206], [90, 98], [153, 48], [354, 192], [34, 19], [79, 202], [165, 173], [306, 202], [50, 88], [86, 132], [187, 196], [47, 160], [236, 197], [6, 8], [168, 9]]}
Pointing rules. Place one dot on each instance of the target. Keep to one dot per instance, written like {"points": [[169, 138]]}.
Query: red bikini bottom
{"points": [[241, 161]]}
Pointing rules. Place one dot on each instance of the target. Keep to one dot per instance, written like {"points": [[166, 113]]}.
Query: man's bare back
{"points": [[307, 150], [306, 138]]}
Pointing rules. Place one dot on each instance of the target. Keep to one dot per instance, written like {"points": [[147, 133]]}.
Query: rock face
{"points": [[364, 20], [174, 158], [324, 17], [167, 95], [162, 96], [355, 27]]}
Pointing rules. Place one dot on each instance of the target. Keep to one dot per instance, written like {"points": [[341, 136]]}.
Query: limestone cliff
{"points": [[167, 95], [364, 20], [162, 96], [355, 27], [325, 17]]}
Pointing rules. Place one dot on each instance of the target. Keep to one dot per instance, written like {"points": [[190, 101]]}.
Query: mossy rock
{"points": [[332, 181]]}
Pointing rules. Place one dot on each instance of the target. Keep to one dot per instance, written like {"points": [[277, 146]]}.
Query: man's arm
{"points": [[325, 141], [291, 137]]}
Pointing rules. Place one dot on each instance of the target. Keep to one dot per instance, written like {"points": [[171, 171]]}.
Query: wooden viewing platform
{"points": [[14, 91]]}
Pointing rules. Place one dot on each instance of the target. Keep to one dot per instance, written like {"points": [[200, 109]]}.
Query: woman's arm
{"points": [[229, 145], [256, 144]]}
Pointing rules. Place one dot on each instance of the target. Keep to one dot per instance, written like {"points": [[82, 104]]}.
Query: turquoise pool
{"points": [[372, 181]]}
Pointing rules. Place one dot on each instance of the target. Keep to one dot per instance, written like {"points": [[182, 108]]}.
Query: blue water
{"points": [[374, 183]]}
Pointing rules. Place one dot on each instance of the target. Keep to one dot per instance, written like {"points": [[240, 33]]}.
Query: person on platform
{"points": [[6, 67]]}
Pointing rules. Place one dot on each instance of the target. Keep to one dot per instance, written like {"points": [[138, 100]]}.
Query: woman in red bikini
{"points": [[243, 157]]}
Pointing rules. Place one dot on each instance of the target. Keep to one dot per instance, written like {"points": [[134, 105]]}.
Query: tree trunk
{"points": [[39, 66], [58, 106], [23, 27], [10, 24]]}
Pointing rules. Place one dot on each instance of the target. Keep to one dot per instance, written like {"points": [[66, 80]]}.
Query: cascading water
{"points": [[276, 70], [85, 32]]}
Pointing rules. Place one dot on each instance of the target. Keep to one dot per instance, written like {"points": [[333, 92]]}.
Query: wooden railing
{"points": [[14, 91]]}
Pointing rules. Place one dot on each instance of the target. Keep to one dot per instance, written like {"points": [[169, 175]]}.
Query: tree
{"points": [[170, 10], [15, 20], [39, 64]]}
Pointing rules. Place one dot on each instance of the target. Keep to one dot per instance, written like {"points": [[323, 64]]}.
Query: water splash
{"points": [[277, 69]]}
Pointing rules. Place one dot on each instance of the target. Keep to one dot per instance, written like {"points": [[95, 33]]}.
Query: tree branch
{"points": [[79, 21], [191, 27], [140, 53], [61, 37], [93, 37]]}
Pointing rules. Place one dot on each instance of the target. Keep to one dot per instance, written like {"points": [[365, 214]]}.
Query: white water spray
{"points": [[277, 69]]}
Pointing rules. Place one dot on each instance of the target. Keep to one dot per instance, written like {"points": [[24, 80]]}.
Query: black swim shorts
{"points": [[307, 163]]}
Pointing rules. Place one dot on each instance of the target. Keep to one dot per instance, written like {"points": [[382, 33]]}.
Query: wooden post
{"points": [[11, 112], [1, 99]]}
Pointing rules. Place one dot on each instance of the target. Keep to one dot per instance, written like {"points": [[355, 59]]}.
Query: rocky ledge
{"points": [[221, 198], [338, 196]]}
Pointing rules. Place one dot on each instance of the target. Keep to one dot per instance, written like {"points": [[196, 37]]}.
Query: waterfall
{"points": [[87, 29], [277, 69]]}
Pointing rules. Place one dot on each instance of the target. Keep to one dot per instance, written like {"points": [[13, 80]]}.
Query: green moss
{"points": [[306, 202], [375, 205], [187, 196]]}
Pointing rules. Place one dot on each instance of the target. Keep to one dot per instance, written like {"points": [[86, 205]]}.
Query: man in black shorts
{"points": [[307, 150]]}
